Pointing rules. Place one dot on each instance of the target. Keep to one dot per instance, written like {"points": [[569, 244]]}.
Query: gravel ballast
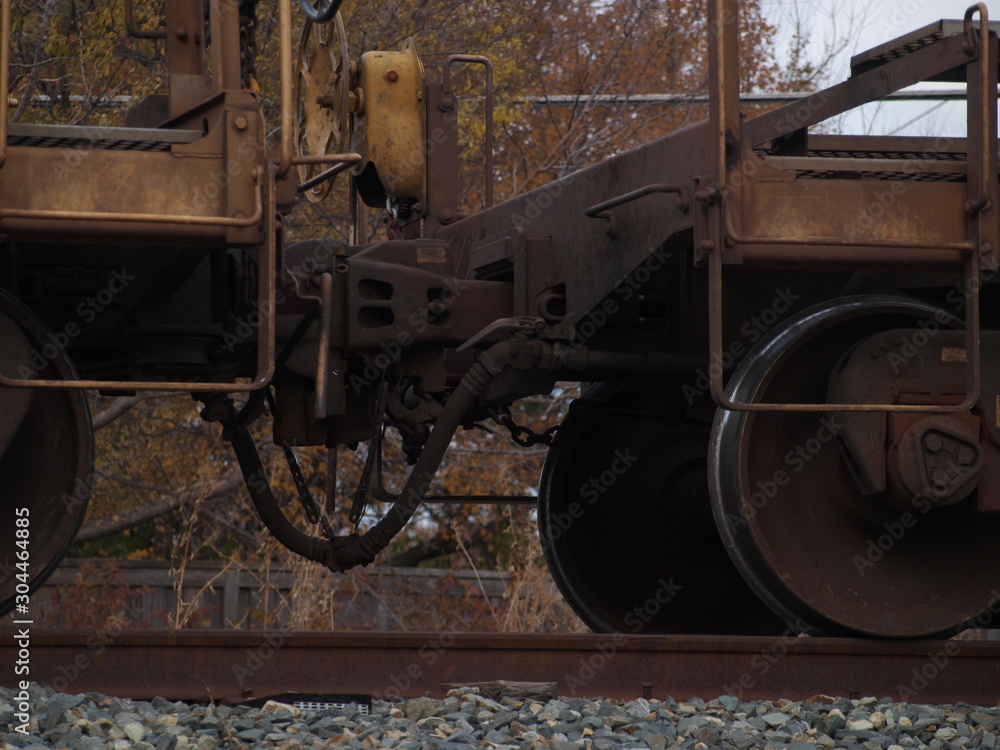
{"points": [[466, 719]]}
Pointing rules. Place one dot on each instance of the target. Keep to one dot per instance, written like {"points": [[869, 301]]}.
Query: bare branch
{"points": [[122, 405], [102, 527]]}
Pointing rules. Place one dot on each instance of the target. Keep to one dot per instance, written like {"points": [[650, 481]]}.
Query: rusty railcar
{"points": [[837, 470]]}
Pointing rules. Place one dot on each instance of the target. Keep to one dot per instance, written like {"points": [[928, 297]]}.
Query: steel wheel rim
{"points": [[805, 554], [57, 425], [678, 581]]}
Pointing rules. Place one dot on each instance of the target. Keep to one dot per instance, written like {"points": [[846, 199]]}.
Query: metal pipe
{"points": [[323, 352], [675, 100], [214, 221], [287, 94], [327, 159], [683, 203], [323, 176]]}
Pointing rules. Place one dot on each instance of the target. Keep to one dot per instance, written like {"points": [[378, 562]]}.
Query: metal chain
{"points": [[520, 434], [306, 497]]}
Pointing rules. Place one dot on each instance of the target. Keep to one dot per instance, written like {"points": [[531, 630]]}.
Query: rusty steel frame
{"points": [[266, 343], [721, 236], [225, 61], [211, 221], [204, 665]]}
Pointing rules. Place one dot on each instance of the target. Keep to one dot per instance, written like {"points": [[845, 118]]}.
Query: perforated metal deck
{"points": [[111, 139]]}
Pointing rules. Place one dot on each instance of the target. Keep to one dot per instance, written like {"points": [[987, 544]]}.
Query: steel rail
{"points": [[232, 666]]}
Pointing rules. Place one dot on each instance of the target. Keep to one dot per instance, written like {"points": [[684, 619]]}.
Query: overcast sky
{"points": [[866, 24]]}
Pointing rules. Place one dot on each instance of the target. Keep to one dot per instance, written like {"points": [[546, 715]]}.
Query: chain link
{"points": [[309, 504], [522, 435]]}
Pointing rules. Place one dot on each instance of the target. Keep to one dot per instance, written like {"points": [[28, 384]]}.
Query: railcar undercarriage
{"points": [[794, 416]]}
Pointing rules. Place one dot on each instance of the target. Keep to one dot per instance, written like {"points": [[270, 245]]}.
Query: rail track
{"points": [[236, 666]]}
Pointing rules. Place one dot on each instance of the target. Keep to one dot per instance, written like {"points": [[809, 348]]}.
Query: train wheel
{"points": [[626, 525], [46, 455], [823, 554]]}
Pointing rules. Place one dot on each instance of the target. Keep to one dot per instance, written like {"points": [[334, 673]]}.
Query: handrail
{"points": [[446, 92], [215, 221]]}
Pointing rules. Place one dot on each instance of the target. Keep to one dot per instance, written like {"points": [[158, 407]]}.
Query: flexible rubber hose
{"points": [[310, 547], [346, 552], [373, 541]]}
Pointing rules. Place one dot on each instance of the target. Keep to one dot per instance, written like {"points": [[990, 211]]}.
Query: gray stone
{"points": [[834, 722], [688, 724], [758, 723], [251, 735], [53, 719], [741, 738], [418, 708], [166, 742], [729, 702], [986, 721]]}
